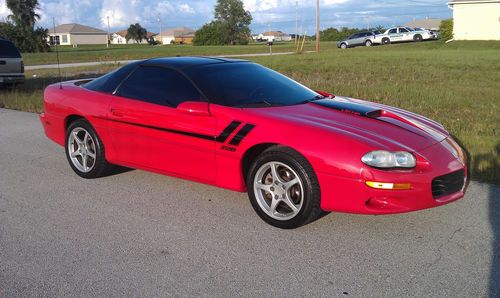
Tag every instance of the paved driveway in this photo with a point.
(142, 234)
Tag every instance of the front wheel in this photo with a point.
(417, 38)
(283, 188)
(386, 41)
(343, 46)
(85, 150)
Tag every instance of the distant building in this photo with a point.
(120, 38)
(429, 24)
(176, 35)
(476, 19)
(273, 36)
(76, 34)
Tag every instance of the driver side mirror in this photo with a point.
(198, 108)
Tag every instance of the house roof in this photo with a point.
(274, 33)
(76, 29)
(427, 24)
(177, 31)
(124, 32)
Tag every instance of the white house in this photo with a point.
(76, 34)
(273, 36)
(168, 36)
(120, 38)
(476, 19)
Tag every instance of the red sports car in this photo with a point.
(241, 126)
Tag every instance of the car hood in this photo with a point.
(380, 125)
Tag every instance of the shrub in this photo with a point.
(446, 29)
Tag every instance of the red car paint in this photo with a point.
(146, 136)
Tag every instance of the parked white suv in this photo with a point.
(402, 34)
(11, 64)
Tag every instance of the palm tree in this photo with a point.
(23, 13)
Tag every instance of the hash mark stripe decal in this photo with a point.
(241, 134)
(227, 131)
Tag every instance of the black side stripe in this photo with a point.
(227, 131)
(186, 133)
(241, 134)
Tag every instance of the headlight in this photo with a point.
(387, 159)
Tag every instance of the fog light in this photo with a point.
(384, 185)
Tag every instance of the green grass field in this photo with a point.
(86, 53)
(457, 84)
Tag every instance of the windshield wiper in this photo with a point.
(317, 97)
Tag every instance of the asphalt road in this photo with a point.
(80, 64)
(143, 234)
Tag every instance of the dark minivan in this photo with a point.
(11, 64)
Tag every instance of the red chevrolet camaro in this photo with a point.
(241, 126)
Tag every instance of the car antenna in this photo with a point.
(57, 53)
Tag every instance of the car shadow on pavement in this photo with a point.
(117, 170)
(494, 215)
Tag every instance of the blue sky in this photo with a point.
(274, 14)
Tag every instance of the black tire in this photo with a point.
(386, 40)
(417, 37)
(100, 166)
(368, 43)
(310, 207)
(343, 46)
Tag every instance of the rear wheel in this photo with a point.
(368, 43)
(343, 46)
(283, 188)
(85, 150)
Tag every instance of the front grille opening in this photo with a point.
(448, 184)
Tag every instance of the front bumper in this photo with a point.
(354, 196)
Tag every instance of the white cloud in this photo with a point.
(185, 8)
(121, 13)
(4, 11)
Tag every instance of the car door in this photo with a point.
(405, 34)
(150, 131)
(356, 40)
(394, 35)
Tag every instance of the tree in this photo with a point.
(20, 27)
(231, 25)
(210, 34)
(137, 33)
(235, 21)
(23, 12)
(446, 29)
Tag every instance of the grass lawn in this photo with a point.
(86, 53)
(457, 84)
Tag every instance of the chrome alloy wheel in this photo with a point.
(82, 149)
(279, 190)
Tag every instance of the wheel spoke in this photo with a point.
(287, 200)
(274, 204)
(262, 186)
(274, 172)
(75, 154)
(290, 183)
(84, 162)
(90, 154)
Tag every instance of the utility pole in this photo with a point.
(159, 34)
(107, 42)
(368, 28)
(317, 26)
(296, 20)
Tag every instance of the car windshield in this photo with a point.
(244, 84)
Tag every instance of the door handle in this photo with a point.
(117, 113)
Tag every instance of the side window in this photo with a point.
(402, 30)
(158, 85)
(393, 31)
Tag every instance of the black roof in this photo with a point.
(184, 62)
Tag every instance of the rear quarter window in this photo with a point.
(8, 50)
